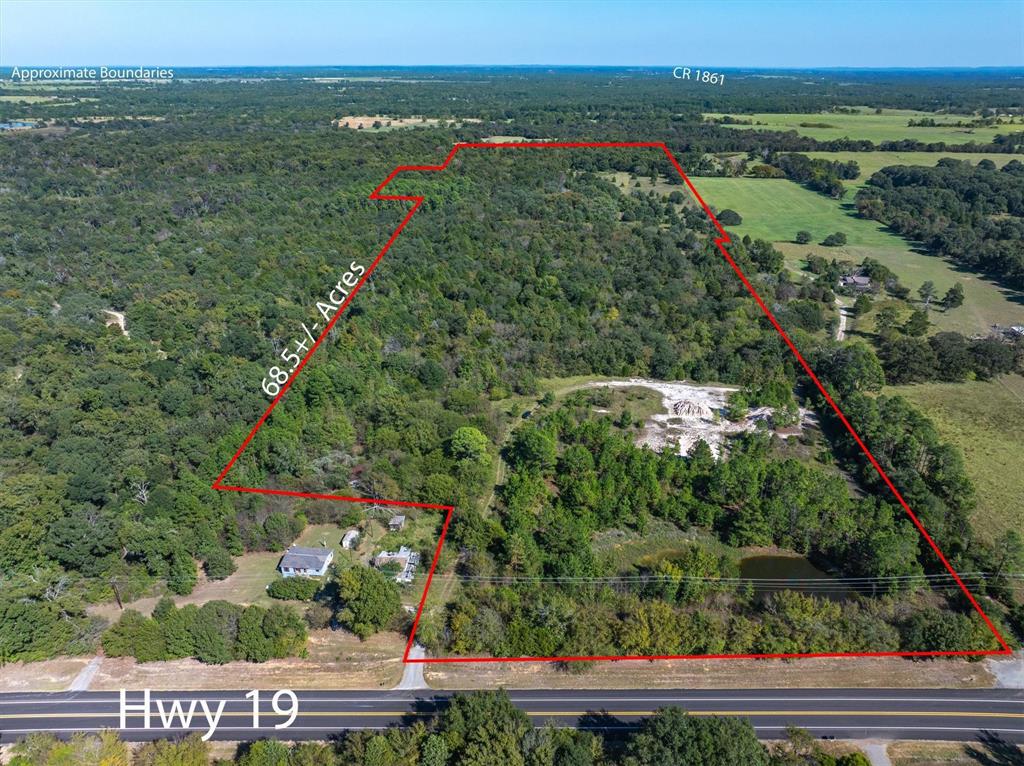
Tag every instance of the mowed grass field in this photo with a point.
(891, 125)
(776, 209)
(871, 162)
(986, 421)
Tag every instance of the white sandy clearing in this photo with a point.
(116, 318)
(694, 412)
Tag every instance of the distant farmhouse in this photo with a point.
(350, 540)
(305, 562)
(404, 560)
(1013, 332)
(855, 281)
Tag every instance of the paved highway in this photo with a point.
(842, 713)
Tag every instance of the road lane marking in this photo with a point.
(578, 713)
(182, 694)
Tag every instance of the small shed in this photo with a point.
(396, 523)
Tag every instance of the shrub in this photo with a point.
(370, 601)
(318, 616)
(218, 564)
(729, 218)
(862, 305)
(134, 636)
(293, 588)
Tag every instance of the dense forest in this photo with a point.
(219, 214)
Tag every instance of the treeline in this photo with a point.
(946, 356)
(474, 729)
(928, 472)
(820, 175)
(970, 214)
(216, 632)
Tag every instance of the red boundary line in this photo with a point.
(720, 241)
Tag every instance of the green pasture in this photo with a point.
(891, 125)
(986, 421)
(776, 209)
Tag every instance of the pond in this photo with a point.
(789, 573)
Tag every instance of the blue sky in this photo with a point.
(822, 33)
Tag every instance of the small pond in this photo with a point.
(789, 573)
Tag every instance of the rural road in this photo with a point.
(936, 714)
(845, 314)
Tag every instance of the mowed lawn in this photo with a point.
(891, 125)
(871, 162)
(986, 421)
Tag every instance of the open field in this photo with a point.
(878, 672)
(336, 659)
(27, 99)
(379, 122)
(891, 125)
(627, 183)
(872, 162)
(642, 403)
(986, 421)
(776, 209)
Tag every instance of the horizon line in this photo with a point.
(752, 68)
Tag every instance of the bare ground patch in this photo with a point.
(510, 139)
(46, 676)
(808, 673)
(691, 413)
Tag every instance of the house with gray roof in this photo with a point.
(855, 281)
(305, 562)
